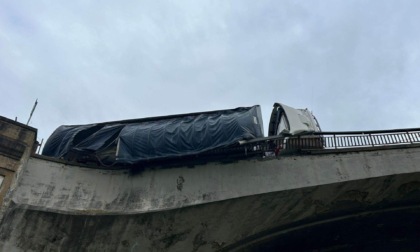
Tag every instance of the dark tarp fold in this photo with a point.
(100, 139)
(65, 138)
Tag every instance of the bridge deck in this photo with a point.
(277, 193)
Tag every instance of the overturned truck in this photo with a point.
(214, 134)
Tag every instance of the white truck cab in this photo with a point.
(286, 120)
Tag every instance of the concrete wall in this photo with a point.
(58, 187)
(203, 208)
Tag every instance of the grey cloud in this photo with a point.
(354, 63)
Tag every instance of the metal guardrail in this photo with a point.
(337, 141)
(333, 140)
(351, 139)
(279, 145)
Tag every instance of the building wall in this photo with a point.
(16, 145)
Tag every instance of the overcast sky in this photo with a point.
(355, 64)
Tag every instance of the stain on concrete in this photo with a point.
(217, 246)
(387, 183)
(409, 187)
(170, 240)
(320, 206)
(353, 195)
(180, 183)
(199, 239)
(207, 196)
(125, 243)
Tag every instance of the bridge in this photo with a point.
(328, 191)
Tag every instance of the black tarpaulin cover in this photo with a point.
(160, 137)
(65, 138)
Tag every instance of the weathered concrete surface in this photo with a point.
(65, 188)
(16, 145)
(58, 207)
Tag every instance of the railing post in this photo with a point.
(299, 145)
(371, 141)
(335, 142)
(409, 138)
